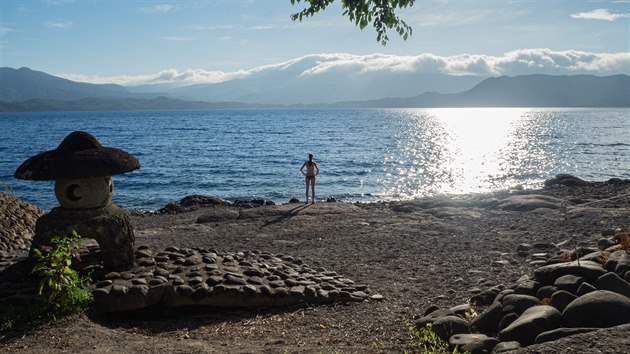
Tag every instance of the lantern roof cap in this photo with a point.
(80, 155)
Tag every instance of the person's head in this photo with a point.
(310, 159)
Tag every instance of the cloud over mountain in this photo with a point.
(599, 14)
(518, 62)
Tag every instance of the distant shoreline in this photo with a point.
(141, 105)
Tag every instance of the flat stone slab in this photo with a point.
(200, 277)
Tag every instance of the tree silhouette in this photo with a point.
(380, 13)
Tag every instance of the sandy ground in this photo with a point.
(414, 254)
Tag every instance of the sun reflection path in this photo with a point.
(457, 151)
(477, 140)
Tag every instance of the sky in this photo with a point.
(135, 42)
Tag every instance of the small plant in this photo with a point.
(426, 339)
(377, 345)
(62, 291)
(61, 287)
(470, 315)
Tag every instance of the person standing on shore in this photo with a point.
(311, 171)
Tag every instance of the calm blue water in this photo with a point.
(364, 155)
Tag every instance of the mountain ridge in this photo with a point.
(28, 90)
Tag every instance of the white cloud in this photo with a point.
(177, 39)
(4, 30)
(209, 27)
(262, 27)
(599, 14)
(161, 8)
(568, 62)
(58, 2)
(518, 62)
(59, 24)
(171, 76)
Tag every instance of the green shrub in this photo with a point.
(60, 286)
(62, 291)
(426, 339)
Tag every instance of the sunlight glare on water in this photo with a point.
(458, 150)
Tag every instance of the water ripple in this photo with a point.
(364, 155)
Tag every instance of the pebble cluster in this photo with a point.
(17, 223)
(571, 291)
(185, 277)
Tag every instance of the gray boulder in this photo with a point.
(430, 309)
(473, 343)
(546, 292)
(604, 243)
(534, 321)
(599, 308)
(561, 299)
(488, 320)
(613, 282)
(503, 294)
(433, 316)
(567, 180)
(583, 251)
(547, 275)
(528, 287)
(562, 332)
(598, 256)
(618, 262)
(461, 310)
(447, 326)
(506, 321)
(569, 282)
(518, 303)
(504, 347)
(584, 289)
(484, 298)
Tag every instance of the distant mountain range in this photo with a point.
(521, 91)
(28, 90)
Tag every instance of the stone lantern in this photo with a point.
(82, 170)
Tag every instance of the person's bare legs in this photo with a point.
(307, 182)
(312, 191)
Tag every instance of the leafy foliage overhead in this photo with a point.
(380, 13)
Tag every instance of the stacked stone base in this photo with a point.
(194, 277)
(198, 277)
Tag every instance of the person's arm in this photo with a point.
(317, 168)
(302, 168)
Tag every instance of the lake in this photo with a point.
(364, 155)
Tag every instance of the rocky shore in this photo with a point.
(544, 270)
